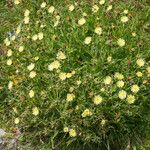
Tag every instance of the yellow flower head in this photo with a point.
(32, 74)
(9, 53)
(95, 8)
(16, 2)
(148, 69)
(98, 30)
(135, 88)
(122, 94)
(62, 75)
(71, 7)
(40, 36)
(31, 93)
(70, 97)
(101, 2)
(43, 5)
(10, 85)
(86, 113)
(16, 120)
(31, 67)
(125, 11)
(26, 13)
(35, 111)
(54, 65)
(88, 40)
(21, 48)
(140, 62)
(119, 76)
(124, 19)
(139, 74)
(97, 99)
(130, 99)
(9, 62)
(35, 37)
(82, 21)
(108, 80)
(72, 133)
(120, 84)
(121, 42)
(61, 55)
(26, 20)
(66, 129)
(51, 9)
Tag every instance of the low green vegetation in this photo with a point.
(75, 74)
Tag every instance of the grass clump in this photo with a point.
(75, 75)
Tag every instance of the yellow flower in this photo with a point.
(51, 9)
(66, 129)
(9, 62)
(124, 19)
(7, 42)
(88, 40)
(35, 111)
(9, 53)
(95, 8)
(73, 72)
(78, 82)
(71, 89)
(26, 13)
(16, 120)
(31, 93)
(108, 80)
(134, 34)
(82, 21)
(101, 2)
(102, 89)
(130, 99)
(31, 67)
(18, 30)
(71, 7)
(86, 113)
(32, 74)
(140, 62)
(84, 14)
(121, 42)
(61, 55)
(125, 11)
(98, 30)
(40, 36)
(139, 74)
(62, 75)
(43, 5)
(72, 133)
(120, 84)
(97, 99)
(122, 94)
(109, 58)
(69, 75)
(35, 37)
(70, 97)
(119, 76)
(54, 65)
(16, 2)
(148, 69)
(15, 109)
(26, 20)
(103, 122)
(109, 8)
(13, 38)
(21, 48)
(135, 88)
(10, 85)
